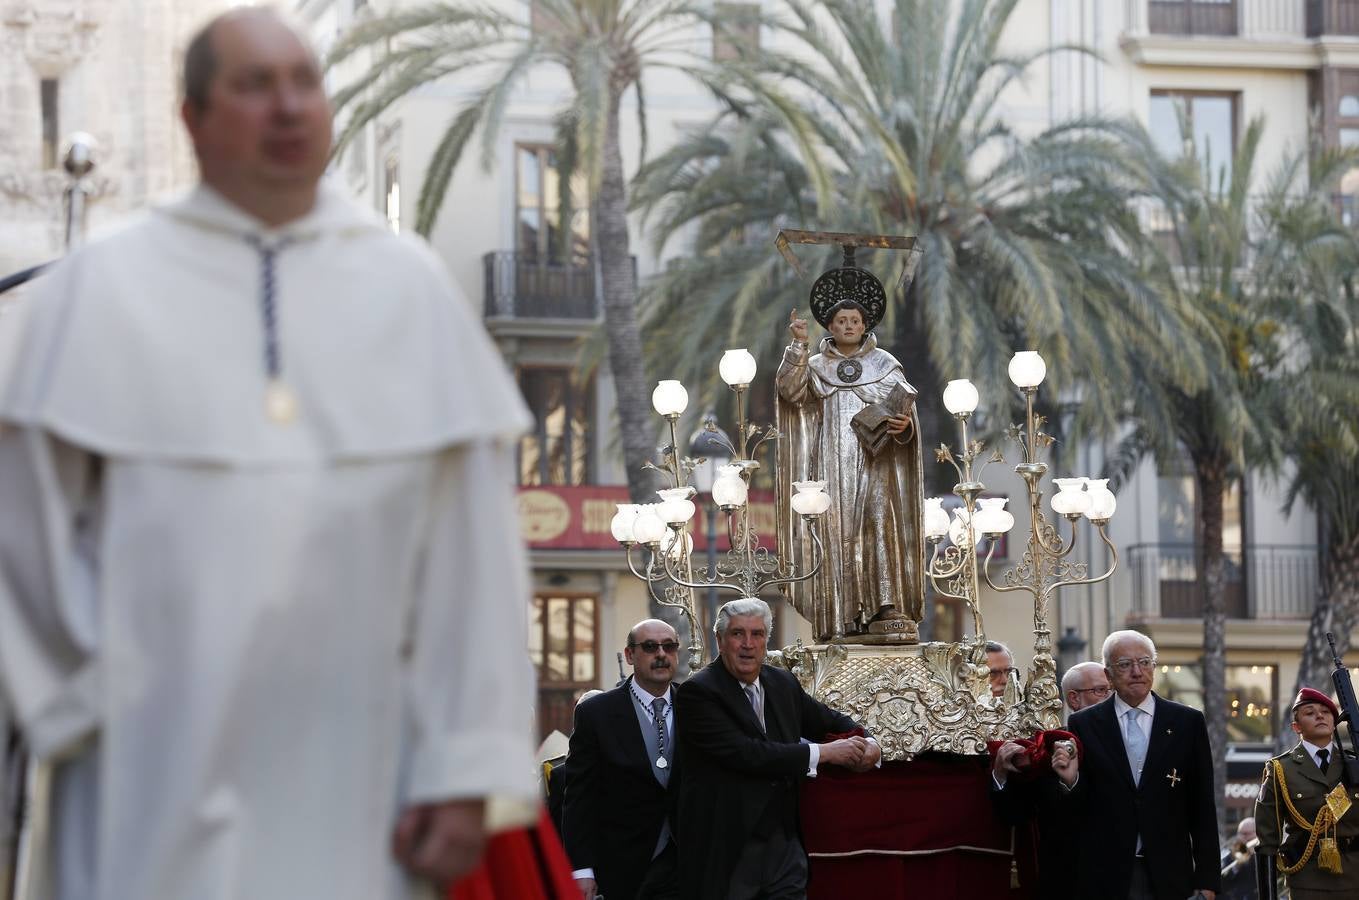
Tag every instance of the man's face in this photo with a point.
(1314, 723)
(999, 663)
(652, 655)
(1093, 689)
(1132, 672)
(847, 326)
(743, 646)
(267, 122)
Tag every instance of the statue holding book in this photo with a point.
(846, 416)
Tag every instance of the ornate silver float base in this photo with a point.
(923, 698)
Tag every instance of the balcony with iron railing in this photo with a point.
(527, 286)
(1262, 582)
(1253, 20)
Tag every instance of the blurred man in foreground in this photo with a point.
(259, 558)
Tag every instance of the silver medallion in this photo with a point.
(661, 763)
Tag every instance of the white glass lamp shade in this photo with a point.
(622, 523)
(810, 498)
(676, 508)
(1071, 498)
(1027, 369)
(1102, 500)
(992, 517)
(670, 398)
(960, 397)
(936, 520)
(648, 528)
(957, 529)
(737, 367)
(730, 489)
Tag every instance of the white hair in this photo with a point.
(1074, 674)
(1118, 637)
(746, 606)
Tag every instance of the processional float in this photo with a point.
(914, 697)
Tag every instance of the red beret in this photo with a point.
(1312, 695)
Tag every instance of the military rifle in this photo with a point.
(1349, 713)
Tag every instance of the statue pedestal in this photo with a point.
(919, 698)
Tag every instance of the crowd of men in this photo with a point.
(724, 752)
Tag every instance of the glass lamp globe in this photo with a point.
(730, 489)
(622, 523)
(810, 498)
(936, 520)
(960, 397)
(1102, 501)
(737, 367)
(992, 517)
(669, 398)
(1027, 369)
(648, 527)
(1070, 499)
(957, 529)
(676, 508)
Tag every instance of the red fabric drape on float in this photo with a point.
(924, 828)
(525, 864)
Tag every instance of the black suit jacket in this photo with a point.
(614, 806)
(734, 772)
(1172, 808)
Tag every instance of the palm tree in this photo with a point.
(862, 122)
(603, 47)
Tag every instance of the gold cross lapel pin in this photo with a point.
(1173, 778)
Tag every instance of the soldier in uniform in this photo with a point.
(1315, 838)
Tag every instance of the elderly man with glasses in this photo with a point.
(616, 817)
(1141, 798)
(1085, 684)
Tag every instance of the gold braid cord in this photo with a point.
(1323, 828)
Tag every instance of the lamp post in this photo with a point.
(663, 528)
(1045, 566)
(710, 448)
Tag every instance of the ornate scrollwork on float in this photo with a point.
(928, 698)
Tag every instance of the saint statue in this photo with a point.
(846, 416)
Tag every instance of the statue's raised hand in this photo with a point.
(797, 327)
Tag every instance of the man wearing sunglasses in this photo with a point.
(615, 822)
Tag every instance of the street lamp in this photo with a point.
(709, 448)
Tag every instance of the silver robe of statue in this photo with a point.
(874, 544)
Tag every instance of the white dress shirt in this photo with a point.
(1312, 752)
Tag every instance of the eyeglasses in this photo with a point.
(1097, 691)
(653, 646)
(1006, 671)
(1125, 666)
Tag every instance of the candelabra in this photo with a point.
(663, 528)
(1044, 567)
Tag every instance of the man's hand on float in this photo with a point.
(1007, 758)
(588, 888)
(441, 841)
(872, 756)
(848, 752)
(1065, 765)
(797, 327)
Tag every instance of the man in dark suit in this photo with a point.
(748, 735)
(1142, 800)
(1024, 803)
(615, 820)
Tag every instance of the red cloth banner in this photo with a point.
(924, 828)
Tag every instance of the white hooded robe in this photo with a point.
(249, 645)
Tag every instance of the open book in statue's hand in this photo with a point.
(871, 422)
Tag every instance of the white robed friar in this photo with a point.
(246, 645)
